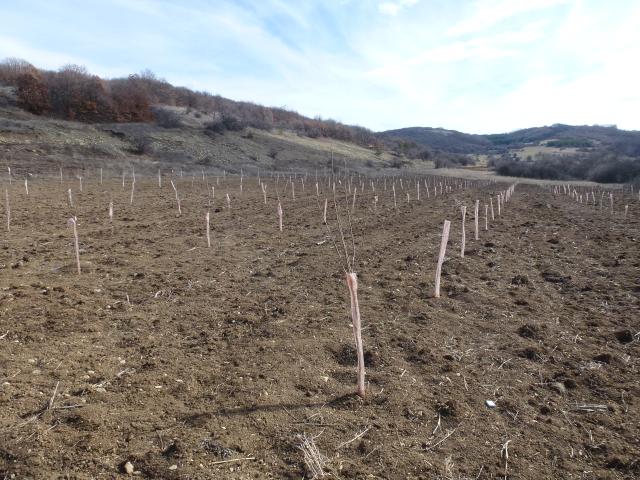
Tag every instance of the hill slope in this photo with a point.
(36, 144)
(450, 141)
(608, 138)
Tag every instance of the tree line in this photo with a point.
(73, 93)
(599, 166)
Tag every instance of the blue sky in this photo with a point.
(480, 66)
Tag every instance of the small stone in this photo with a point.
(325, 378)
(101, 390)
(490, 403)
(36, 371)
(128, 468)
(173, 467)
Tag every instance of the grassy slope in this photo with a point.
(32, 144)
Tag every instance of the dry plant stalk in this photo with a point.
(464, 236)
(70, 198)
(177, 197)
(73, 221)
(159, 179)
(26, 186)
(313, 459)
(353, 203)
(443, 251)
(228, 201)
(279, 215)
(111, 212)
(491, 202)
(208, 231)
(100, 175)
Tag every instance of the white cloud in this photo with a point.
(487, 13)
(393, 8)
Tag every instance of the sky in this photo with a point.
(478, 66)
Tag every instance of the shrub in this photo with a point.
(166, 118)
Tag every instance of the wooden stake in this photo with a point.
(208, 231)
(352, 283)
(177, 197)
(464, 239)
(486, 217)
(475, 218)
(8, 209)
(73, 222)
(443, 250)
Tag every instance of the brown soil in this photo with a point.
(174, 357)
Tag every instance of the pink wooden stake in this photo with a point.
(475, 218)
(208, 231)
(133, 187)
(8, 209)
(73, 222)
(395, 204)
(486, 216)
(443, 250)
(464, 239)
(352, 283)
(324, 215)
(175, 190)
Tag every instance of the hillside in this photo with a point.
(558, 135)
(450, 141)
(35, 144)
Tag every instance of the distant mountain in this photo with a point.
(450, 141)
(598, 137)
